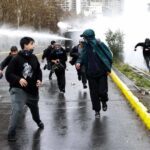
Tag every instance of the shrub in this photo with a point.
(115, 42)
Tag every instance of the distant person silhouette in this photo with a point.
(47, 54)
(6, 61)
(146, 51)
(58, 59)
(75, 53)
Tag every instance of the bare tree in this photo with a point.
(36, 13)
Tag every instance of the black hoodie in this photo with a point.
(26, 67)
(6, 61)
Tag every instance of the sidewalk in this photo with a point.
(70, 123)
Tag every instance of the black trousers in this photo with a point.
(98, 91)
(50, 74)
(61, 79)
(49, 67)
(81, 74)
(147, 61)
(34, 109)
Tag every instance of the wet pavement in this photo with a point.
(70, 123)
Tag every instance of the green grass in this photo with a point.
(138, 80)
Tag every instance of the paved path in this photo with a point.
(70, 123)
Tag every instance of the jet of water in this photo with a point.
(13, 36)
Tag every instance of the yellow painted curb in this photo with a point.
(139, 108)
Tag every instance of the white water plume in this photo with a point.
(133, 22)
(11, 36)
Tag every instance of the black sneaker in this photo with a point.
(85, 86)
(97, 114)
(62, 91)
(79, 78)
(41, 125)
(11, 138)
(45, 67)
(104, 106)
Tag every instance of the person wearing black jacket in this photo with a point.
(6, 61)
(25, 77)
(46, 54)
(74, 53)
(58, 59)
(146, 51)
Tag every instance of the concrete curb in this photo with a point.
(139, 108)
(4, 53)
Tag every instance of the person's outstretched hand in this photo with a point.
(77, 66)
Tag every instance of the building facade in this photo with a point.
(92, 7)
(66, 5)
(112, 7)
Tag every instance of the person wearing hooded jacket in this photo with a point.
(146, 51)
(6, 61)
(25, 77)
(97, 59)
(58, 59)
(46, 54)
(74, 53)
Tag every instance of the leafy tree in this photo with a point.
(115, 42)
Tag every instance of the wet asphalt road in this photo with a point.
(70, 123)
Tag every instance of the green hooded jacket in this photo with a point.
(99, 47)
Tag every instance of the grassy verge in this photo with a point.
(138, 80)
